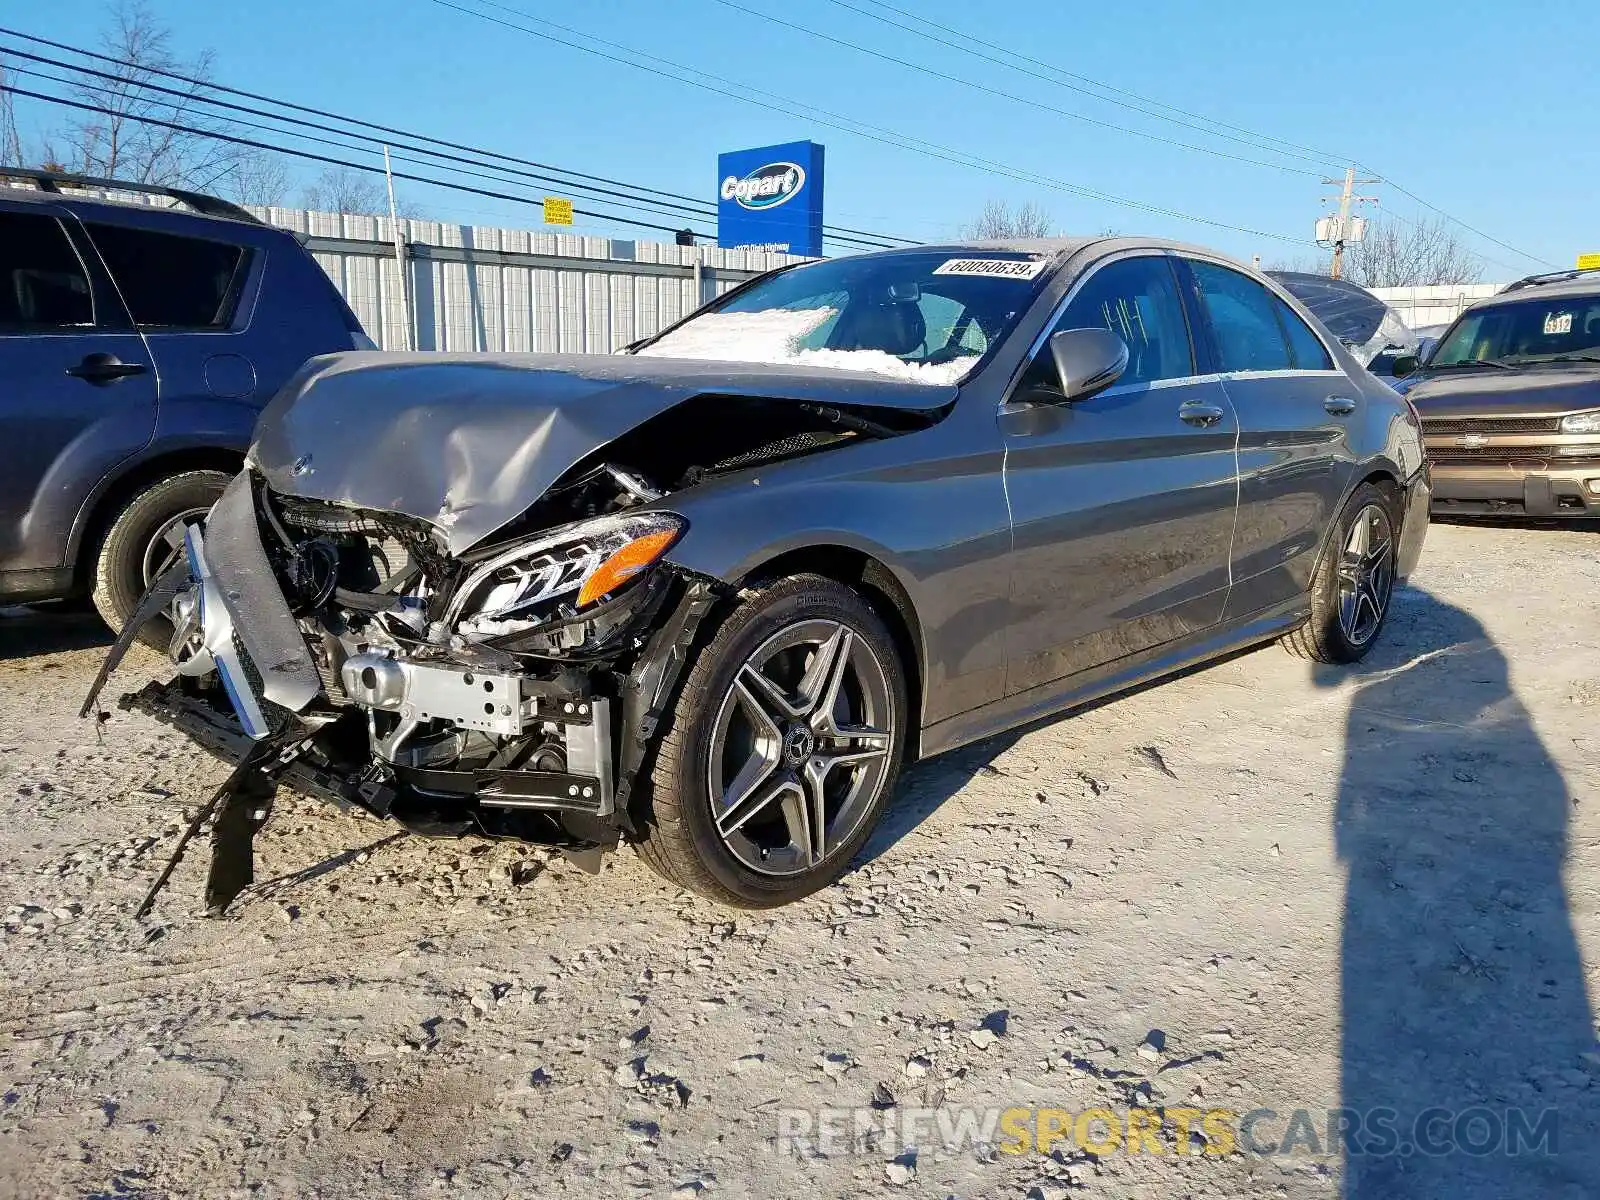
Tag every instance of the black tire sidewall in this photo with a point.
(118, 582)
(799, 598)
(1325, 603)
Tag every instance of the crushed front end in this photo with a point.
(509, 691)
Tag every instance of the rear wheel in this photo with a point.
(146, 538)
(782, 749)
(1354, 583)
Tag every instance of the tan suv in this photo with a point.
(1510, 402)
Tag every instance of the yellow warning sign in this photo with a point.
(1588, 262)
(557, 211)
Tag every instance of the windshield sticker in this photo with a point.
(1558, 323)
(999, 268)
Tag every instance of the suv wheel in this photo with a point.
(782, 749)
(143, 540)
(1354, 583)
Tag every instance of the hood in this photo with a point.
(469, 442)
(1525, 391)
(1351, 313)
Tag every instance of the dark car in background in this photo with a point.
(712, 595)
(1374, 332)
(137, 346)
(1510, 402)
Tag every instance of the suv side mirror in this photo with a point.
(1087, 360)
(1405, 364)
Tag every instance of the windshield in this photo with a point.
(924, 317)
(1536, 329)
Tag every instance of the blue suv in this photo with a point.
(137, 345)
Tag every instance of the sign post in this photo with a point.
(771, 198)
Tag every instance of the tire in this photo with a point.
(130, 549)
(712, 733)
(1332, 634)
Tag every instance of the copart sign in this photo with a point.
(771, 197)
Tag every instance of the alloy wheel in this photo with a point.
(801, 747)
(1366, 575)
(164, 546)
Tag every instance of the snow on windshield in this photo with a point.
(775, 336)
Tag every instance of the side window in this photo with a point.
(43, 286)
(1308, 351)
(1137, 299)
(172, 282)
(1249, 337)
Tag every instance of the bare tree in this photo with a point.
(257, 178)
(998, 220)
(342, 190)
(1306, 264)
(1395, 255)
(115, 142)
(10, 135)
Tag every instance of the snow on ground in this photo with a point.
(773, 336)
(1259, 886)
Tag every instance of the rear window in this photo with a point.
(170, 281)
(43, 287)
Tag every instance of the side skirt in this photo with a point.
(1111, 679)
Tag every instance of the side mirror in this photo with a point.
(1087, 360)
(1405, 364)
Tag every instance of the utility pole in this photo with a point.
(1344, 228)
(399, 249)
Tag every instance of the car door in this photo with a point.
(1122, 503)
(79, 391)
(1295, 409)
(192, 298)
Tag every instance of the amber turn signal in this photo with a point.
(625, 564)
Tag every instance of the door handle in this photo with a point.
(1200, 413)
(1339, 406)
(104, 368)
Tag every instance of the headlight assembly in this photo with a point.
(1588, 422)
(560, 573)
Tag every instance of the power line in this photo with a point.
(730, 89)
(1458, 221)
(619, 199)
(967, 41)
(562, 177)
(1011, 96)
(323, 158)
(1059, 76)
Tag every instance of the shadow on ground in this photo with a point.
(1467, 1040)
(28, 631)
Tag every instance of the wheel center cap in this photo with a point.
(798, 745)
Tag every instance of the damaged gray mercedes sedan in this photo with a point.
(709, 596)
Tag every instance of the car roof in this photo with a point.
(1062, 248)
(87, 205)
(1582, 285)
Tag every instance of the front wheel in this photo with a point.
(1353, 584)
(782, 748)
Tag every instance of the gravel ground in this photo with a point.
(1260, 886)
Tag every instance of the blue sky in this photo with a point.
(1469, 107)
